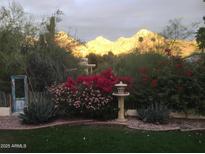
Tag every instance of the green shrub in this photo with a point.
(107, 113)
(154, 113)
(199, 75)
(49, 65)
(129, 64)
(174, 83)
(102, 62)
(40, 109)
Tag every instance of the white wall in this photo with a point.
(5, 111)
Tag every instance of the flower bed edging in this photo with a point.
(156, 130)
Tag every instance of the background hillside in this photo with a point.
(143, 41)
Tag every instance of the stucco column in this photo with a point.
(121, 112)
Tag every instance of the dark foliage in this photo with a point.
(40, 109)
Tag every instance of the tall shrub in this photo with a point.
(173, 84)
(88, 96)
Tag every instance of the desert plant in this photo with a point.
(154, 113)
(40, 109)
(47, 63)
(4, 99)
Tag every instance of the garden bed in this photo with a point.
(174, 124)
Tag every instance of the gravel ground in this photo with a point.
(174, 124)
(13, 122)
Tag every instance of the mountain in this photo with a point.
(144, 40)
(99, 45)
(69, 43)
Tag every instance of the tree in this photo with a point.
(175, 30)
(22, 51)
(51, 28)
(204, 16)
(15, 26)
(48, 63)
(200, 38)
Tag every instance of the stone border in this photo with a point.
(189, 116)
(192, 130)
(156, 130)
(69, 123)
(94, 122)
(32, 127)
(133, 113)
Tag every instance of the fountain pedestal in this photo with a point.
(121, 94)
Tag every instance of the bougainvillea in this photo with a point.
(154, 83)
(104, 81)
(70, 84)
(89, 95)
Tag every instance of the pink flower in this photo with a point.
(189, 73)
(143, 70)
(70, 83)
(154, 83)
(179, 66)
(145, 79)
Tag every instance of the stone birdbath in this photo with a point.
(121, 94)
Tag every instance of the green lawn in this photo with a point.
(102, 139)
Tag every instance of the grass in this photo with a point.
(102, 139)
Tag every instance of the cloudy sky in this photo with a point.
(114, 18)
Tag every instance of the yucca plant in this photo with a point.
(154, 113)
(4, 101)
(40, 109)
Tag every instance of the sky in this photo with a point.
(87, 19)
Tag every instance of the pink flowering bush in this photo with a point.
(63, 97)
(88, 96)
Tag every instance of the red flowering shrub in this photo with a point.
(127, 80)
(175, 85)
(143, 70)
(70, 83)
(188, 73)
(154, 83)
(105, 81)
(90, 96)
